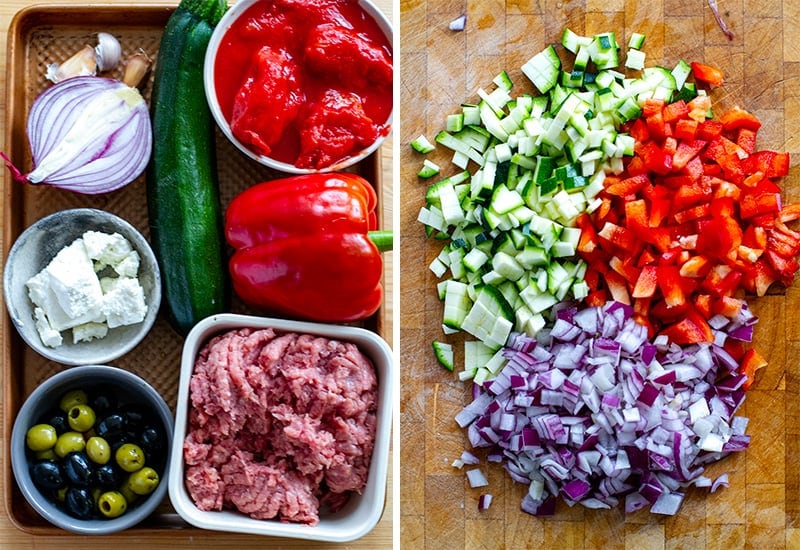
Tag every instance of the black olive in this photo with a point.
(103, 401)
(78, 469)
(107, 476)
(135, 417)
(57, 419)
(79, 502)
(152, 440)
(47, 475)
(110, 428)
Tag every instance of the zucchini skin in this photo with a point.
(183, 202)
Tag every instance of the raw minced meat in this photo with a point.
(280, 425)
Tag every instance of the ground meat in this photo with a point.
(280, 424)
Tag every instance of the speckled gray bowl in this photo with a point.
(34, 249)
(131, 389)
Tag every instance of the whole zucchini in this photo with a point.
(182, 188)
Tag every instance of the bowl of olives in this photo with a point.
(90, 448)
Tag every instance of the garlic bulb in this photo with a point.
(108, 51)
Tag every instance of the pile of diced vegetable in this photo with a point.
(600, 237)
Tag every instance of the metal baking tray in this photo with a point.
(40, 35)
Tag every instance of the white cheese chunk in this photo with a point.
(73, 281)
(41, 294)
(123, 302)
(50, 336)
(106, 249)
(89, 331)
(128, 266)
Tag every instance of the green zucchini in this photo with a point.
(182, 189)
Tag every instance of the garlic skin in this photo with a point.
(108, 52)
(82, 63)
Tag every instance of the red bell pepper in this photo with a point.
(304, 247)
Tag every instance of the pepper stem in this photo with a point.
(384, 240)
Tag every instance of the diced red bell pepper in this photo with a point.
(709, 129)
(764, 203)
(656, 159)
(687, 151)
(676, 110)
(647, 282)
(737, 117)
(750, 364)
(692, 329)
(746, 139)
(638, 131)
(618, 236)
(718, 237)
(669, 282)
(770, 163)
(707, 73)
(759, 277)
(626, 186)
(686, 129)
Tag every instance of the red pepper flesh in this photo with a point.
(303, 249)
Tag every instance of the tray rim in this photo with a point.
(22, 22)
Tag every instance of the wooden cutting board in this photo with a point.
(441, 69)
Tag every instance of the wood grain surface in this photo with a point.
(381, 537)
(441, 69)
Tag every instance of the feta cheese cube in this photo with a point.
(41, 294)
(50, 337)
(106, 249)
(89, 331)
(123, 302)
(73, 281)
(128, 266)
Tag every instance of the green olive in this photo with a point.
(98, 450)
(69, 442)
(112, 504)
(127, 492)
(49, 454)
(144, 481)
(129, 457)
(41, 437)
(81, 418)
(72, 398)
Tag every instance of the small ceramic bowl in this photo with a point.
(362, 512)
(31, 253)
(129, 389)
(236, 11)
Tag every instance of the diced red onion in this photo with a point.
(469, 458)
(595, 418)
(484, 501)
(458, 23)
(721, 481)
(476, 478)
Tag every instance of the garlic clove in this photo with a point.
(83, 62)
(108, 51)
(137, 67)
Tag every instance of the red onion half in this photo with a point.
(87, 134)
(593, 412)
